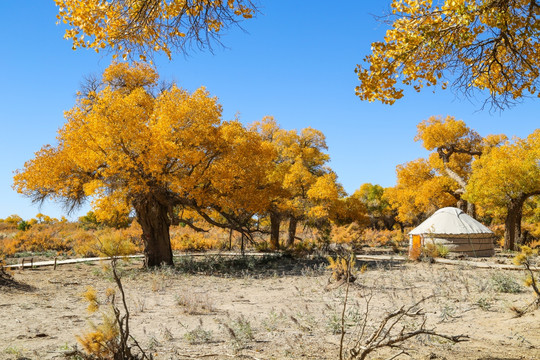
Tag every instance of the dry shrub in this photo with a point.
(41, 237)
(7, 226)
(535, 244)
(301, 248)
(348, 234)
(84, 243)
(391, 331)
(529, 258)
(415, 253)
(101, 340)
(111, 339)
(343, 267)
(498, 230)
(109, 241)
(375, 238)
(430, 250)
(195, 303)
(183, 239)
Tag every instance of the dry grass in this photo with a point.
(285, 310)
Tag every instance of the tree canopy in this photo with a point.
(142, 27)
(374, 199)
(466, 170)
(128, 145)
(484, 45)
(419, 191)
(306, 189)
(504, 178)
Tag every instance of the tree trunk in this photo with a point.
(275, 222)
(453, 175)
(467, 207)
(512, 224)
(154, 220)
(471, 210)
(462, 205)
(389, 221)
(293, 222)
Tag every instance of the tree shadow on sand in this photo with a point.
(7, 282)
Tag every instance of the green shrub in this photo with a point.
(504, 283)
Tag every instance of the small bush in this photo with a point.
(443, 250)
(240, 331)
(504, 283)
(195, 242)
(430, 250)
(529, 257)
(41, 238)
(415, 253)
(484, 303)
(198, 336)
(375, 238)
(195, 304)
(435, 251)
(348, 234)
(109, 340)
(108, 242)
(343, 268)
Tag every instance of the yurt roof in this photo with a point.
(451, 221)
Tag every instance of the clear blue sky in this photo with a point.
(295, 61)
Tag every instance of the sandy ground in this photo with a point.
(280, 310)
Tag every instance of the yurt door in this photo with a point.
(416, 247)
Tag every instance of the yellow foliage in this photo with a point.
(57, 237)
(109, 242)
(101, 341)
(517, 170)
(302, 185)
(146, 26)
(90, 295)
(195, 242)
(374, 238)
(129, 147)
(525, 255)
(115, 243)
(13, 220)
(347, 234)
(419, 190)
(437, 132)
(343, 268)
(485, 45)
(528, 257)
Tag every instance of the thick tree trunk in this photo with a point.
(512, 224)
(389, 221)
(293, 222)
(154, 220)
(275, 222)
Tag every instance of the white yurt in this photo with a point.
(455, 230)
